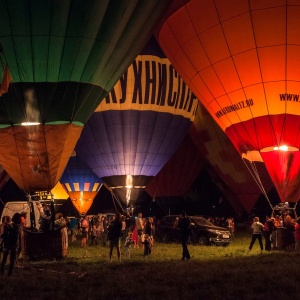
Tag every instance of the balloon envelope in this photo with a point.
(81, 184)
(139, 125)
(62, 57)
(241, 60)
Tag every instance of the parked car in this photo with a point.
(203, 232)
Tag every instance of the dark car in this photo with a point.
(203, 232)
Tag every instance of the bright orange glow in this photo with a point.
(241, 60)
(82, 200)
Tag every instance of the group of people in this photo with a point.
(133, 232)
(290, 232)
(11, 230)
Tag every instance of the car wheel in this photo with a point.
(166, 238)
(202, 240)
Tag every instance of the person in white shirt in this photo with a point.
(257, 228)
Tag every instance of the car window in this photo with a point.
(201, 221)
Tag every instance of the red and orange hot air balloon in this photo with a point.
(241, 59)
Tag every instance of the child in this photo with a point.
(147, 245)
(128, 243)
(94, 236)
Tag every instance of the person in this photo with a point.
(84, 231)
(230, 226)
(297, 235)
(147, 245)
(184, 225)
(140, 228)
(135, 237)
(128, 243)
(45, 217)
(149, 229)
(267, 232)
(289, 224)
(24, 220)
(114, 235)
(11, 242)
(94, 236)
(123, 233)
(4, 221)
(61, 223)
(257, 228)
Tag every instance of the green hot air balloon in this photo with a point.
(58, 60)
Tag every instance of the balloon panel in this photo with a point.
(228, 69)
(59, 192)
(232, 175)
(82, 200)
(178, 174)
(267, 131)
(283, 166)
(79, 41)
(4, 177)
(139, 125)
(130, 142)
(78, 177)
(35, 156)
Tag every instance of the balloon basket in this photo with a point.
(45, 245)
(280, 238)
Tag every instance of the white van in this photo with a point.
(13, 207)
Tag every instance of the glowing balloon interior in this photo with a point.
(81, 184)
(241, 59)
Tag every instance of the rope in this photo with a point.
(115, 198)
(254, 172)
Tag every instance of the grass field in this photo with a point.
(231, 272)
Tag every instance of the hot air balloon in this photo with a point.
(230, 172)
(241, 58)
(139, 125)
(179, 173)
(58, 61)
(81, 184)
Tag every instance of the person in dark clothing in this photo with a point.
(11, 238)
(149, 229)
(267, 232)
(184, 225)
(147, 245)
(114, 235)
